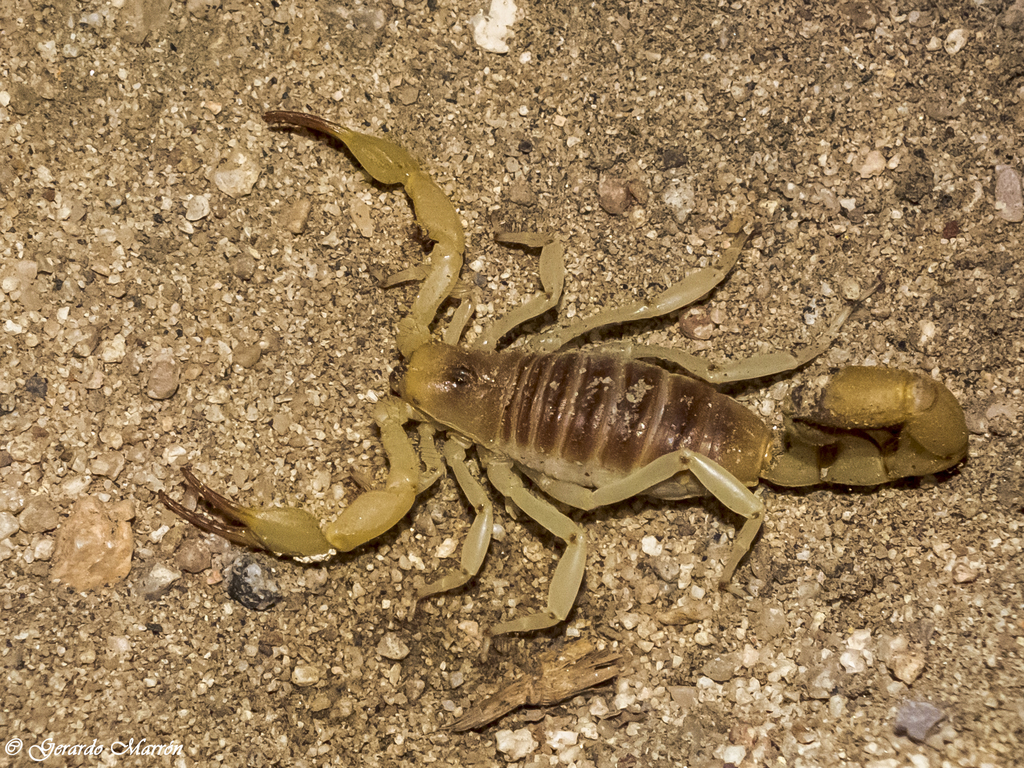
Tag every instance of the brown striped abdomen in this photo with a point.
(613, 413)
(583, 417)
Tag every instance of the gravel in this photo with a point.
(178, 283)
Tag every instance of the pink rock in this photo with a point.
(1009, 201)
(94, 545)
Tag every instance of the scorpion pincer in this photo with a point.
(588, 427)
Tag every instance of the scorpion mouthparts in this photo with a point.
(397, 375)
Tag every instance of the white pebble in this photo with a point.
(1009, 200)
(198, 208)
(873, 164)
(447, 548)
(734, 754)
(237, 175)
(516, 744)
(651, 546)
(955, 41)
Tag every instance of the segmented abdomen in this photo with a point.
(612, 415)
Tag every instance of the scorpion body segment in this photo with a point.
(588, 428)
(584, 418)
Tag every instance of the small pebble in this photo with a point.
(250, 586)
(916, 718)
(906, 667)
(193, 556)
(722, 668)
(521, 193)
(516, 744)
(157, 580)
(1009, 199)
(680, 198)
(613, 195)
(305, 675)
(94, 545)
(559, 740)
(8, 525)
(734, 754)
(697, 327)
(114, 350)
(246, 355)
(295, 216)
(651, 546)
(237, 175)
(38, 516)
(873, 164)
(198, 208)
(666, 567)
(320, 702)
(820, 683)
(687, 612)
(163, 378)
(392, 647)
(84, 340)
(107, 464)
(955, 41)
(408, 94)
(1013, 17)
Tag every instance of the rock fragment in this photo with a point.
(108, 464)
(305, 675)
(38, 516)
(295, 216)
(237, 175)
(163, 378)
(251, 586)
(916, 718)
(198, 208)
(8, 525)
(1009, 200)
(873, 164)
(193, 556)
(516, 745)
(157, 580)
(94, 545)
(392, 647)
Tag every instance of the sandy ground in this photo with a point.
(861, 142)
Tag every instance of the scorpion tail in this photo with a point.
(868, 426)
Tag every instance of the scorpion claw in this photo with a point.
(281, 530)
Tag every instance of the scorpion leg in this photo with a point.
(565, 584)
(681, 294)
(552, 278)
(389, 163)
(477, 542)
(296, 533)
(755, 367)
(431, 458)
(718, 481)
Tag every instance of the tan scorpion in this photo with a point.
(587, 427)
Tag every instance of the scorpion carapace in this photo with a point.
(588, 427)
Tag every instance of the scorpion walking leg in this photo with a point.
(681, 294)
(552, 279)
(719, 482)
(565, 584)
(474, 548)
(755, 367)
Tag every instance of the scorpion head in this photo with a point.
(456, 387)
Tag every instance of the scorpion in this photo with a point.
(586, 427)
